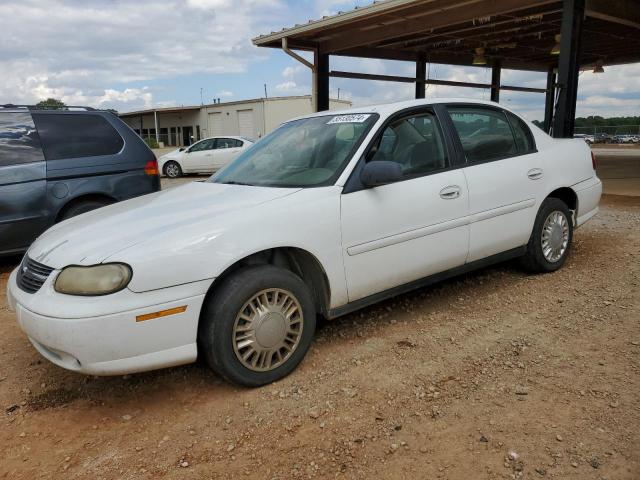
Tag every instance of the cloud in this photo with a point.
(86, 51)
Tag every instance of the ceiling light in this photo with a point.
(598, 67)
(479, 58)
(556, 48)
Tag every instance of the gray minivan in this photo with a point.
(55, 164)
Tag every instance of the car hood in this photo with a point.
(172, 154)
(94, 236)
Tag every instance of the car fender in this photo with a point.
(308, 220)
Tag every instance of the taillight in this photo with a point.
(593, 160)
(151, 167)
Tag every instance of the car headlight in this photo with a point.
(94, 280)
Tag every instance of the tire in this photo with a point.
(535, 259)
(172, 169)
(81, 207)
(223, 332)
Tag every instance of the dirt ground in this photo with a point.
(492, 375)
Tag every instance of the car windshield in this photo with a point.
(310, 152)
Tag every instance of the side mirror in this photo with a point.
(181, 149)
(380, 172)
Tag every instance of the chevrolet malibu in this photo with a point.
(327, 214)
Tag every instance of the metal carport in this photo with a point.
(513, 34)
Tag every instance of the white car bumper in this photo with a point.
(110, 343)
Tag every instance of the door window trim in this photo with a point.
(353, 183)
(481, 106)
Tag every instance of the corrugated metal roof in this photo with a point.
(379, 6)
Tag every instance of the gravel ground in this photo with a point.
(492, 375)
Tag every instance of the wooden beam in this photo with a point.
(441, 57)
(439, 14)
(616, 11)
(450, 83)
(473, 30)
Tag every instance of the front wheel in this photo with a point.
(257, 326)
(550, 240)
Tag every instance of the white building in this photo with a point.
(179, 126)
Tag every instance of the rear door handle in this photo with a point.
(450, 192)
(534, 173)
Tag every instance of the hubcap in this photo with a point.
(172, 170)
(267, 329)
(555, 236)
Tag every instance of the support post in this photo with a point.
(421, 76)
(155, 121)
(496, 69)
(568, 67)
(321, 61)
(549, 99)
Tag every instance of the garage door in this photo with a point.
(215, 124)
(245, 123)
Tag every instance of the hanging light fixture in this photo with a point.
(556, 48)
(598, 68)
(479, 58)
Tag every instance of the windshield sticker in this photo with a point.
(353, 118)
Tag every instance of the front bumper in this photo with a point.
(66, 332)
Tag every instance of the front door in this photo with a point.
(198, 157)
(400, 232)
(23, 185)
(505, 177)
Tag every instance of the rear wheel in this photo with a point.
(172, 169)
(257, 326)
(81, 207)
(550, 241)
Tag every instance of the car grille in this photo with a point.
(32, 275)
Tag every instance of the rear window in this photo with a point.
(19, 142)
(76, 135)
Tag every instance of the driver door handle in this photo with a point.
(534, 173)
(450, 192)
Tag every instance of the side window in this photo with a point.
(415, 143)
(225, 143)
(19, 140)
(524, 138)
(76, 135)
(202, 145)
(485, 133)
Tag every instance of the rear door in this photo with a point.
(504, 174)
(226, 150)
(23, 202)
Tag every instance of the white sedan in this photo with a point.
(204, 156)
(327, 214)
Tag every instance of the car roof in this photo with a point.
(236, 137)
(386, 109)
(9, 107)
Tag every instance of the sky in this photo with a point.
(130, 55)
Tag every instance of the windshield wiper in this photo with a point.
(232, 182)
